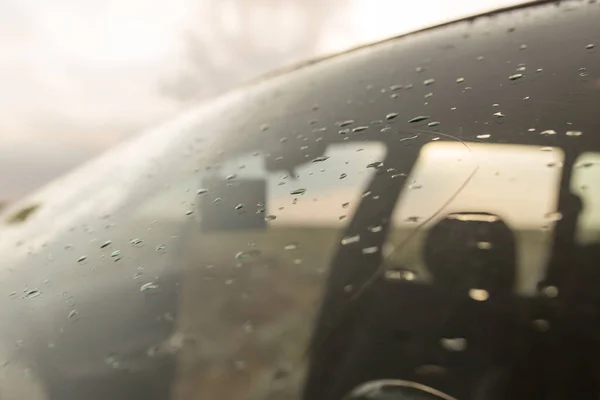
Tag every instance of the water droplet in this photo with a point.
(541, 325)
(239, 207)
(72, 314)
(161, 247)
(291, 246)
(484, 245)
(454, 344)
(428, 95)
(515, 77)
(270, 217)
(343, 175)
(548, 132)
(590, 46)
(344, 131)
(460, 80)
(434, 123)
(81, 259)
(370, 250)
(298, 192)
(346, 123)
(30, 294)
(375, 229)
(553, 216)
(400, 275)
(366, 194)
(574, 133)
(230, 177)
(554, 164)
(428, 82)
(360, 129)
(350, 239)
(264, 127)
(522, 47)
(106, 244)
(319, 159)
(486, 136)
(148, 287)
(116, 253)
(550, 291)
(201, 191)
(247, 254)
(419, 69)
(412, 219)
(480, 58)
(345, 205)
(396, 87)
(479, 294)
(137, 242)
(391, 116)
(418, 119)
(414, 185)
(499, 114)
(217, 199)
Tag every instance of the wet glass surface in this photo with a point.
(330, 229)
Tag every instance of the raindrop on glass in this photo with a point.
(574, 133)
(105, 244)
(82, 259)
(321, 158)
(479, 294)
(548, 132)
(486, 136)
(460, 80)
(484, 245)
(428, 82)
(146, 287)
(391, 116)
(418, 119)
(434, 123)
(515, 77)
(400, 275)
(550, 291)
(370, 250)
(499, 114)
(298, 192)
(350, 239)
(454, 344)
(30, 294)
(290, 246)
(201, 191)
(541, 325)
(553, 216)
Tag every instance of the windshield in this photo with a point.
(424, 210)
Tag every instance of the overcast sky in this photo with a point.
(78, 76)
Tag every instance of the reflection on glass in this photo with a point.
(586, 184)
(514, 183)
(252, 283)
